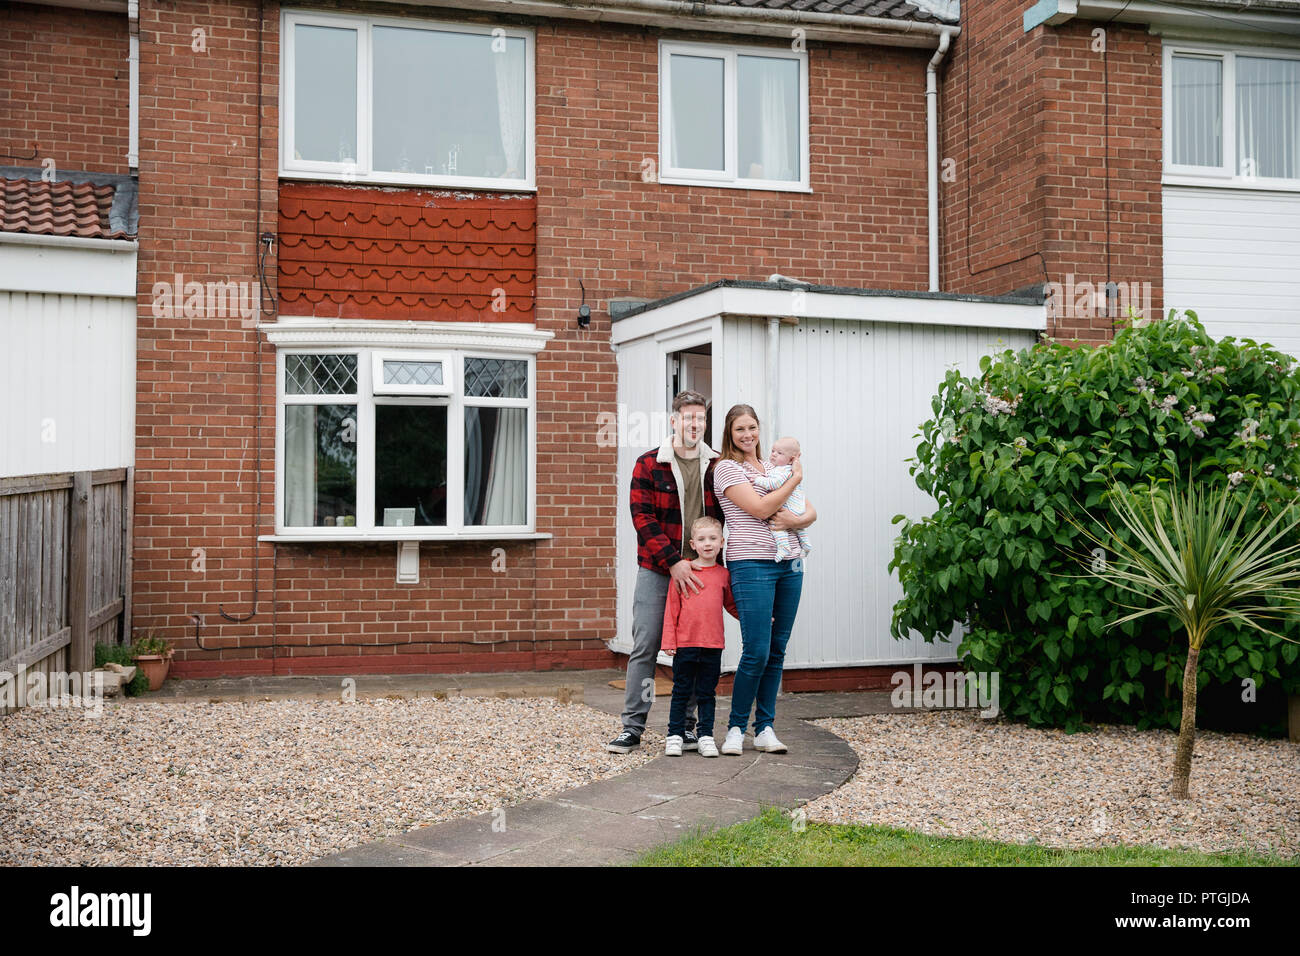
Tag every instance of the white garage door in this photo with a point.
(1233, 257)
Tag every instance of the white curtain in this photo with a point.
(774, 142)
(510, 70)
(1268, 116)
(299, 466)
(508, 475)
(1198, 113)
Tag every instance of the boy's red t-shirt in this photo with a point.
(696, 619)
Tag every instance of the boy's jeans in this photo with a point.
(647, 633)
(767, 597)
(695, 675)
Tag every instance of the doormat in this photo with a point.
(663, 686)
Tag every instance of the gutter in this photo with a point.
(715, 18)
(69, 242)
(1055, 12)
(932, 154)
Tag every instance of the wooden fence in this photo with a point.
(65, 570)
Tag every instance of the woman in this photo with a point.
(766, 591)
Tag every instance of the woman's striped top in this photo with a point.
(748, 538)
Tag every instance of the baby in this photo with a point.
(789, 544)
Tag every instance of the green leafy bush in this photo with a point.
(1035, 438)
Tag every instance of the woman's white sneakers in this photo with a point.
(767, 742)
(734, 744)
(707, 747)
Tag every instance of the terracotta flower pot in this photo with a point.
(154, 667)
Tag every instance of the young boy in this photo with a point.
(693, 639)
(789, 544)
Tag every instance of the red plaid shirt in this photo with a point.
(657, 511)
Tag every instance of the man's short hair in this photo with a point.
(689, 397)
(705, 522)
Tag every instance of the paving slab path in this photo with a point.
(614, 821)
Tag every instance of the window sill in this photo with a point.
(379, 538)
(763, 187)
(1267, 185)
(406, 179)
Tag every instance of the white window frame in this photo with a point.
(729, 177)
(366, 399)
(363, 171)
(1225, 175)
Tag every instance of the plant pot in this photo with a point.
(154, 667)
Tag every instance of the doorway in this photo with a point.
(693, 369)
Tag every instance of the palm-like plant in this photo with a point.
(1191, 559)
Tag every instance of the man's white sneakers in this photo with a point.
(734, 744)
(673, 746)
(767, 742)
(707, 747)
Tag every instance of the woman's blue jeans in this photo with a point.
(767, 597)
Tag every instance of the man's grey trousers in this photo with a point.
(647, 632)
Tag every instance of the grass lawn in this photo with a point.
(770, 840)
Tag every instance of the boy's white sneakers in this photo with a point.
(767, 742)
(707, 747)
(734, 744)
(673, 746)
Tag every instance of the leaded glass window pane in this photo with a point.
(496, 378)
(320, 374)
(412, 373)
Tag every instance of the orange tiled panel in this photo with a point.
(362, 253)
(57, 208)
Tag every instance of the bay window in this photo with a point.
(1232, 117)
(404, 443)
(733, 116)
(412, 102)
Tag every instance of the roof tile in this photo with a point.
(360, 252)
(59, 208)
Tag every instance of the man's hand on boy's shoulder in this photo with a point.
(684, 578)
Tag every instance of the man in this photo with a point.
(669, 492)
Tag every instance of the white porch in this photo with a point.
(848, 372)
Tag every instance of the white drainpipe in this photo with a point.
(932, 152)
(133, 124)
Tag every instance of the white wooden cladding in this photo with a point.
(1233, 257)
(67, 381)
(854, 394)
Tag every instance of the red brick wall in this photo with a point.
(1024, 119)
(66, 88)
(197, 474)
(597, 220)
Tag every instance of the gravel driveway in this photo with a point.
(278, 782)
(954, 774)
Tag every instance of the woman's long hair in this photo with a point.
(729, 450)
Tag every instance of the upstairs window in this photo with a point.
(410, 102)
(1232, 117)
(733, 116)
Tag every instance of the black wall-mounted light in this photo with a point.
(584, 310)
